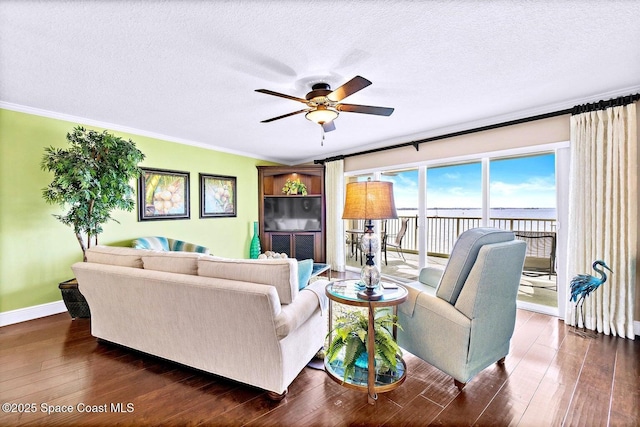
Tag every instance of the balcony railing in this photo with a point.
(442, 232)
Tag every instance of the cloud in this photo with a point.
(539, 192)
(534, 184)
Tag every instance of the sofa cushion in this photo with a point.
(112, 255)
(305, 268)
(280, 273)
(171, 262)
(155, 243)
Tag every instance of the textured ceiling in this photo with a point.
(186, 71)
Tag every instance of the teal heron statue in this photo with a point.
(583, 284)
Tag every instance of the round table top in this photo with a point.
(346, 292)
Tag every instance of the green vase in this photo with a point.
(254, 248)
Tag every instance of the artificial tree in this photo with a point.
(91, 178)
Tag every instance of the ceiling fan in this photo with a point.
(323, 104)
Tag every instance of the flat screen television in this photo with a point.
(292, 214)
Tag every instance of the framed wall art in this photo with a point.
(163, 194)
(218, 196)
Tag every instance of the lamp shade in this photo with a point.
(369, 200)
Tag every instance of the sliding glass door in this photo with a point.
(522, 198)
(439, 201)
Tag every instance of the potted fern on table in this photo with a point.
(350, 341)
(91, 179)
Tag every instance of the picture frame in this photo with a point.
(218, 196)
(163, 194)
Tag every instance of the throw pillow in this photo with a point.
(305, 268)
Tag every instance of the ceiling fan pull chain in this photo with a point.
(322, 136)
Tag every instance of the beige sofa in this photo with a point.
(241, 319)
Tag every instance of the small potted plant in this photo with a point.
(294, 187)
(350, 334)
(91, 178)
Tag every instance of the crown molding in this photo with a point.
(115, 127)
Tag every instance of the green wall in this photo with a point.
(36, 251)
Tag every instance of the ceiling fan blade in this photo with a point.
(328, 127)
(349, 88)
(281, 95)
(285, 115)
(365, 109)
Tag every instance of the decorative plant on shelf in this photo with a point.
(91, 178)
(350, 334)
(294, 187)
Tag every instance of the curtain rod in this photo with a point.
(623, 100)
(603, 105)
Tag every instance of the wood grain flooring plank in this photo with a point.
(549, 405)
(215, 400)
(552, 376)
(288, 412)
(553, 334)
(510, 403)
(438, 386)
(625, 405)
(469, 405)
(574, 342)
(552, 398)
(39, 324)
(142, 382)
(419, 411)
(359, 412)
(592, 396)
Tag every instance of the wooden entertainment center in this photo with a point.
(295, 227)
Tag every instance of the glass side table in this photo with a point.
(346, 292)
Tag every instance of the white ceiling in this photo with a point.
(186, 71)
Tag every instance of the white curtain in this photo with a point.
(603, 215)
(334, 194)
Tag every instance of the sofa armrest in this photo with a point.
(306, 304)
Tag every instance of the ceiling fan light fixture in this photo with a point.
(322, 115)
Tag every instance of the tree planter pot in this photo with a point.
(73, 299)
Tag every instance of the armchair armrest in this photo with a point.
(430, 276)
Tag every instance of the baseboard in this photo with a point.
(30, 313)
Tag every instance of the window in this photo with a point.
(454, 204)
(518, 190)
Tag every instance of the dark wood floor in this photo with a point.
(552, 376)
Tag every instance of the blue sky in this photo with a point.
(521, 182)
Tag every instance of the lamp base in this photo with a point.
(370, 294)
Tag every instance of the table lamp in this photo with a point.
(370, 200)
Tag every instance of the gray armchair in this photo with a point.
(460, 320)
